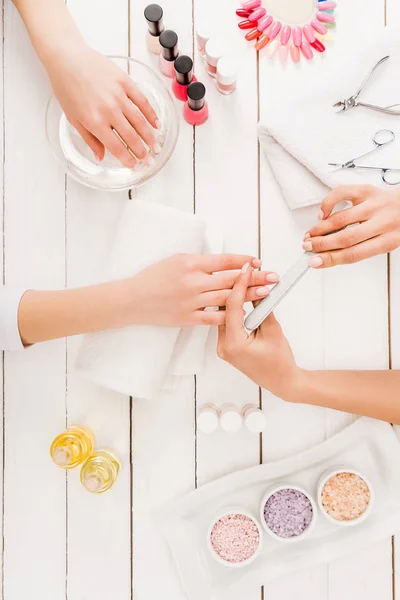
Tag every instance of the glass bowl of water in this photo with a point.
(79, 161)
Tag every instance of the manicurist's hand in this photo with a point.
(377, 214)
(265, 355)
(100, 101)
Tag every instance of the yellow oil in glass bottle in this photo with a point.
(72, 447)
(100, 471)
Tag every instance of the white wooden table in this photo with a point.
(59, 542)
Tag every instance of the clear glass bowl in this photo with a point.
(78, 160)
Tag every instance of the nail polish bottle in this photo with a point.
(203, 34)
(230, 418)
(153, 13)
(169, 52)
(207, 418)
(195, 110)
(100, 471)
(215, 48)
(226, 75)
(183, 76)
(254, 418)
(72, 447)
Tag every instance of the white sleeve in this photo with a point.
(10, 338)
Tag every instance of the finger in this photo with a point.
(351, 255)
(139, 123)
(220, 297)
(212, 317)
(268, 323)
(212, 263)
(221, 281)
(343, 239)
(340, 219)
(140, 100)
(355, 193)
(130, 137)
(91, 140)
(117, 148)
(235, 331)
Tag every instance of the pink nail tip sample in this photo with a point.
(257, 14)
(264, 23)
(283, 52)
(325, 17)
(285, 34)
(306, 50)
(295, 53)
(309, 33)
(318, 27)
(272, 48)
(297, 36)
(274, 30)
(326, 5)
(251, 4)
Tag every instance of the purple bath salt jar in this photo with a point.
(288, 513)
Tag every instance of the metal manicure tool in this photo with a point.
(352, 102)
(390, 175)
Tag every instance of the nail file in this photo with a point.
(278, 292)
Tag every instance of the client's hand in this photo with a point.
(175, 291)
(265, 355)
(378, 214)
(100, 99)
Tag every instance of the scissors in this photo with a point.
(382, 137)
(351, 102)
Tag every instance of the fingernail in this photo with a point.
(262, 291)
(307, 235)
(320, 215)
(272, 277)
(96, 157)
(256, 262)
(149, 160)
(158, 124)
(307, 246)
(156, 148)
(245, 268)
(315, 261)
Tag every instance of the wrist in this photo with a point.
(298, 386)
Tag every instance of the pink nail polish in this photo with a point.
(243, 13)
(195, 110)
(246, 24)
(154, 17)
(318, 45)
(297, 36)
(321, 215)
(318, 26)
(252, 35)
(262, 42)
(325, 17)
(203, 34)
(326, 5)
(215, 48)
(257, 14)
(251, 4)
(283, 53)
(272, 48)
(315, 261)
(169, 52)
(274, 30)
(183, 76)
(309, 33)
(285, 34)
(294, 53)
(226, 75)
(264, 23)
(306, 50)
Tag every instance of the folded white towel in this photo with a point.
(139, 360)
(301, 132)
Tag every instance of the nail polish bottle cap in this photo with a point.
(196, 92)
(184, 69)
(204, 33)
(215, 48)
(153, 13)
(169, 44)
(226, 71)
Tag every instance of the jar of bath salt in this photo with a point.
(288, 513)
(345, 496)
(234, 538)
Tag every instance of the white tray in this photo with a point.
(368, 446)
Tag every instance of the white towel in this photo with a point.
(140, 360)
(301, 132)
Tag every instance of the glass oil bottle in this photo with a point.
(72, 447)
(100, 471)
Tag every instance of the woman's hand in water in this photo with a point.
(375, 215)
(101, 101)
